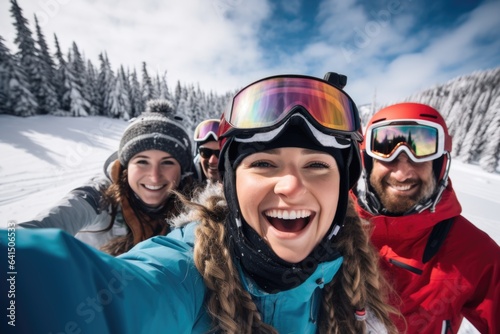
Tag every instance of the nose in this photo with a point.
(213, 160)
(290, 185)
(155, 173)
(404, 167)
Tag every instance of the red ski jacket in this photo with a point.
(461, 280)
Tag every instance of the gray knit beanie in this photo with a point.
(158, 128)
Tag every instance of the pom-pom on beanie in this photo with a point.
(157, 128)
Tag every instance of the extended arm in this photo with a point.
(63, 285)
(79, 209)
(483, 307)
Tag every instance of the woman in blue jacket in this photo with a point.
(281, 251)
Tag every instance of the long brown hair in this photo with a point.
(145, 224)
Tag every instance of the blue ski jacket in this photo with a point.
(61, 285)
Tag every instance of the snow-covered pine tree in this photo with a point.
(27, 53)
(163, 92)
(5, 60)
(178, 94)
(214, 109)
(210, 103)
(446, 101)
(48, 99)
(58, 74)
(481, 113)
(148, 91)
(490, 158)
(78, 71)
(469, 147)
(136, 101)
(183, 104)
(15, 97)
(125, 77)
(156, 86)
(127, 93)
(72, 101)
(119, 98)
(105, 83)
(91, 91)
(191, 112)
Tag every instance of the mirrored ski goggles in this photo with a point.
(205, 129)
(267, 102)
(420, 140)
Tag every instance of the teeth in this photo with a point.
(150, 187)
(402, 187)
(288, 214)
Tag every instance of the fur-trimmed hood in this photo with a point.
(189, 215)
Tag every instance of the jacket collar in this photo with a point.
(323, 275)
(447, 207)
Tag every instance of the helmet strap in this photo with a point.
(442, 184)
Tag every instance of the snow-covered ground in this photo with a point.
(43, 157)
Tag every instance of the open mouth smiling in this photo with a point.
(403, 187)
(288, 220)
(152, 187)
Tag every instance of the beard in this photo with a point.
(397, 204)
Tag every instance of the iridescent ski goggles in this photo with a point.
(266, 103)
(205, 129)
(420, 140)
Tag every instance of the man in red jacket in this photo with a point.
(442, 267)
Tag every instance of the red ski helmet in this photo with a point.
(415, 128)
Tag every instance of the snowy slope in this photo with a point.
(43, 157)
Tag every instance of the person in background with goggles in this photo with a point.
(206, 159)
(440, 264)
(281, 250)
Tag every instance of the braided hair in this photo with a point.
(358, 284)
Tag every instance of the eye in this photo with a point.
(318, 165)
(261, 164)
(141, 162)
(168, 162)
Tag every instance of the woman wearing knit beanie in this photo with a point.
(133, 202)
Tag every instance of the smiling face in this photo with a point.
(289, 197)
(210, 164)
(151, 174)
(402, 183)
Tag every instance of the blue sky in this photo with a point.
(388, 48)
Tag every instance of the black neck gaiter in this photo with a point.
(270, 272)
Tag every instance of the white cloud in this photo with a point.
(404, 57)
(210, 42)
(292, 7)
(218, 43)
(463, 44)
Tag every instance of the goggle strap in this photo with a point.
(323, 139)
(443, 183)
